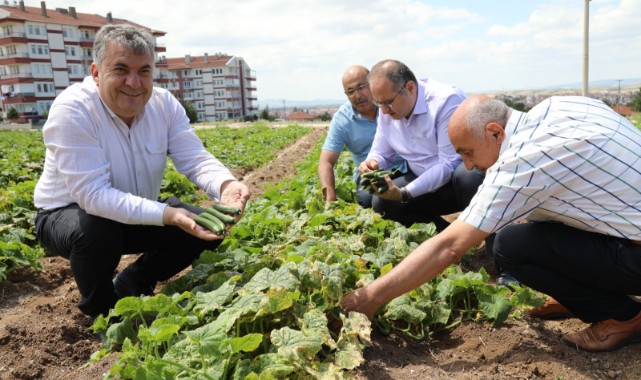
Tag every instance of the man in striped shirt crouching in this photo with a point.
(571, 168)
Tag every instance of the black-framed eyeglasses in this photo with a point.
(388, 103)
(359, 88)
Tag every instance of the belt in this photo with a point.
(635, 242)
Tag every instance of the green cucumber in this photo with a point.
(224, 217)
(209, 224)
(230, 210)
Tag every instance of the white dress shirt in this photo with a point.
(422, 138)
(114, 171)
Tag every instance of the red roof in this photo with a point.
(216, 60)
(300, 116)
(63, 16)
(623, 110)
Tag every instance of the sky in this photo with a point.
(299, 49)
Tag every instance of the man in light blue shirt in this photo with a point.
(353, 126)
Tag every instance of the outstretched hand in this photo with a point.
(234, 193)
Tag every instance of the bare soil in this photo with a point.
(44, 336)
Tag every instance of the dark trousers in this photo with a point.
(94, 246)
(452, 197)
(589, 273)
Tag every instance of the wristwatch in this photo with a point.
(405, 195)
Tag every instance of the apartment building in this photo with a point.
(219, 86)
(43, 51)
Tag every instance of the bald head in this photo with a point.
(477, 129)
(355, 72)
(475, 113)
(357, 90)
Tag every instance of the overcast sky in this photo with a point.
(300, 48)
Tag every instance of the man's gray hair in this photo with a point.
(135, 39)
(485, 111)
(395, 71)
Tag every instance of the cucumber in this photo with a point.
(224, 217)
(230, 210)
(209, 224)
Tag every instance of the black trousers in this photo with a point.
(94, 247)
(452, 197)
(589, 273)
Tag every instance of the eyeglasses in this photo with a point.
(388, 103)
(356, 89)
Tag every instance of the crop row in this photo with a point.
(259, 306)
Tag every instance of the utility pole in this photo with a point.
(619, 95)
(586, 28)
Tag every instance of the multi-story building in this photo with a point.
(219, 86)
(43, 51)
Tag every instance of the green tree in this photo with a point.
(519, 106)
(325, 116)
(607, 102)
(190, 111)
(265, 115)
(12, 113)
(635, 104)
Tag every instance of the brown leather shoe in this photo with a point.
(608, 335)
(551, 309)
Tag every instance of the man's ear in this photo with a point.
(495, 131)
(94, 73)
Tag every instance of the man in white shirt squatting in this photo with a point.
(107, 141)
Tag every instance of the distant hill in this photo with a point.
(610, 84)
(304, 104)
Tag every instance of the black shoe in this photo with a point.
(124, 287)
(506, 279)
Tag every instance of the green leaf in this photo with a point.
(496, 306)
(211, 301)
(247, 343)
(295, 345)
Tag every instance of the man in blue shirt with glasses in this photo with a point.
(353, 126)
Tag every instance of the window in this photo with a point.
(70, 51)
(39, 49)
(187, 84)
(67, 32)
(45, 87)
(7, 30)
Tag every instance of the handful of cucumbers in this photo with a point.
(216, 218)
(375, 177)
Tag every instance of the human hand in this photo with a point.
(360, 300)
(234, 193)
(367, 166)
(393, 192)
(184, 219)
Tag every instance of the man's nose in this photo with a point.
(133, 80)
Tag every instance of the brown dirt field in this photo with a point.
(44, 336)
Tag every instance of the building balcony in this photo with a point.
(14, 37)
(16, 75)
(12, 59)
(16, 98)
(250, 88)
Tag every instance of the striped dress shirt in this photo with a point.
(571, 160)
